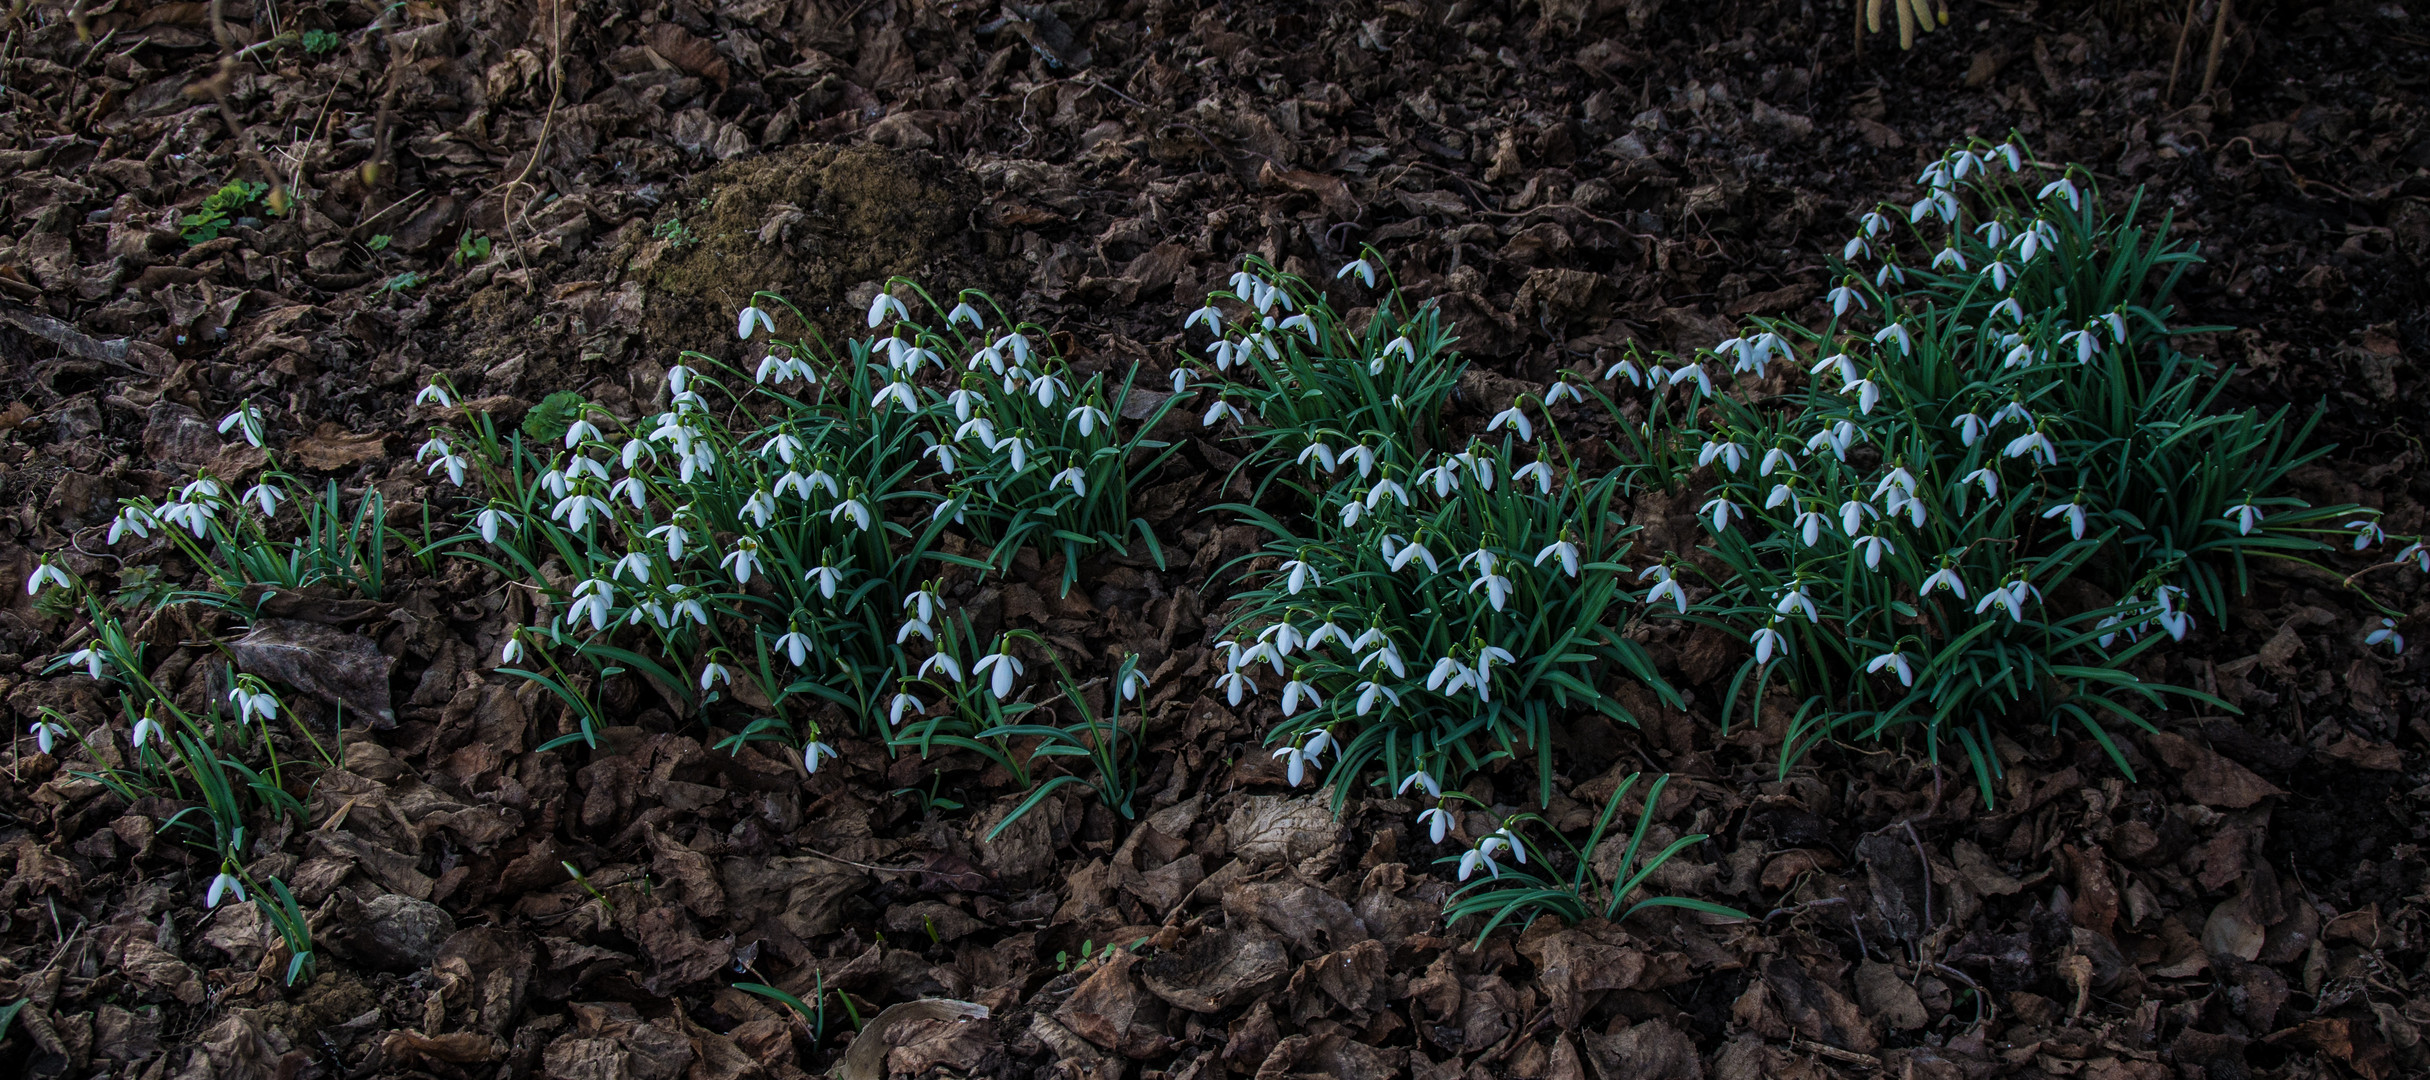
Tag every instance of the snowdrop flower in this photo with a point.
(857, 510)
(900, 393)
(1722, 509)
(2015, 158)
(2416, 553)
(1949, 256)
(1297, 574)
(579, 432)
(826, 578)
(1767, 640)
(2246, 514)
(2034, 444)
(434, 394)
(253, 703)
(1776, 458)
(1838, 364)
(1284, 637)
(1515, 419)
(881, 305)
(1423, 781)
(1207, 315)
(1970, 428)
(1386, 655)
(2177, 623)
(1898, 333)
(146, 730)
(1872, 546)
(2010, 596)
(2064, 188)
(1482, 855)
(903, 703)
(1233, 683)
(815, 752)
(1566, 551)
(2366, 533)
(221, 886)
(2074, 512)
(1301, 323)
(1005, 668)
(44, 732)
(1795, 599)
(743, 559)
(1868, 394)
(1897, 663)
(1132, 684)
(1090, 418)
(759, 508)
(1852, 515)
(1665, 584)
(595, 596)
(1537, 471)
(713, 673)
(1497, 588)
(1781, 493)
(1046, 387)
(2386, 634)
(2013, 411)
(248, 421)
(1730, 454)
(1704, 382)
(89, 659)
(635, 563)
(1887, 274)
(1899, 479)
(1362, 456)
(1074, 476)
(2087, 346)
(1450, 677)
(1437, 821)
(1809, 523)
(963, 312)
(1295, 690)
(1944, 578)
(950, 666)
(577, 509)
(1364, 269)
(750, 319)
(1856, 246)
(1369, 692)
(131, 519)
(268, 497)
(1999, 280)
(512, 651)
(1295, 763)
(1220, 410)
(48, 574)
(796, 646)
(1628, 368)
(1844, 296)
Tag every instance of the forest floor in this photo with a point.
(529, 196)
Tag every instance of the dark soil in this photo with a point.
(1565, 177)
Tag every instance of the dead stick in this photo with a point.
(2210, 68)
(2184, 31)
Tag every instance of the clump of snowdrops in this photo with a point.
(1434, 607)
(220, 755)
(775, 534)
(1999, 482)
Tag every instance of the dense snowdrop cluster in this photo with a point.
(1972, 433)
(770, 534)
(1437, 607)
